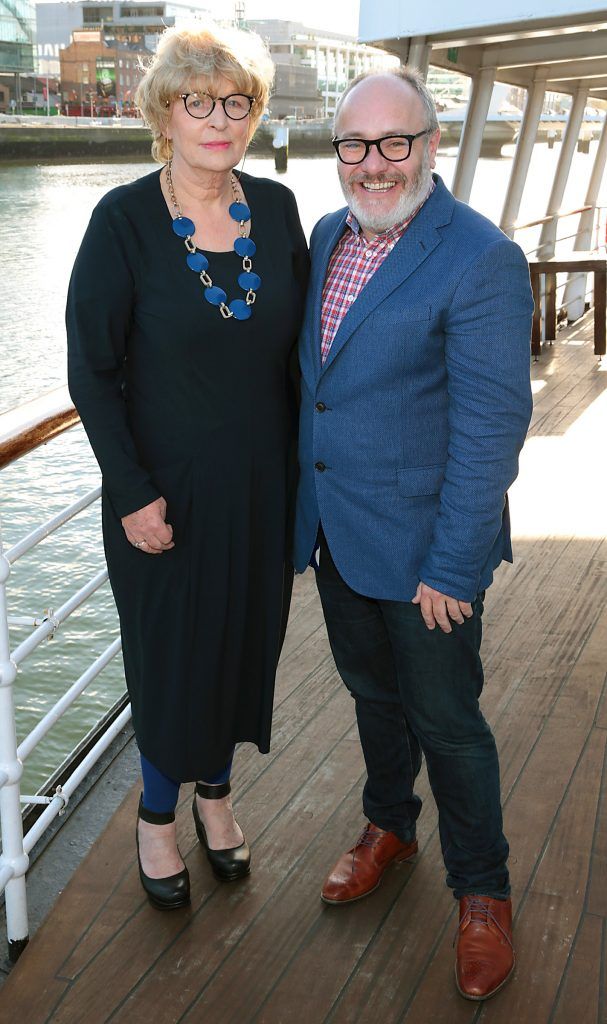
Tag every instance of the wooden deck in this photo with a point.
(267, 950)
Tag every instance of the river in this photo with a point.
(44, 210)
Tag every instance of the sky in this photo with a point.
(333, 15)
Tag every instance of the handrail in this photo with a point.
(21, 431)
(27, 426)
(554, 216)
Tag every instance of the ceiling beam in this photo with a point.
(575, 46)
(575, 69)
(514, 31)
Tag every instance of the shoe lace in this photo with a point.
(478, 910)
(366, 838)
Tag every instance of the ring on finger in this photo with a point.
(139, 543)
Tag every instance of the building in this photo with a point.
(336, 60)
(130, 24)
(17, 42)
(99, 75)
(295, 92)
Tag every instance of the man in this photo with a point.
(415, 403)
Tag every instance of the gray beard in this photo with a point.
(417, 189)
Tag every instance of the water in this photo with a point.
(44, 210)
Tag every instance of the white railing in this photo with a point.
(17, 846)
(565, 243)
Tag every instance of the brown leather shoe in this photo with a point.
(485, 955)
(359, 871)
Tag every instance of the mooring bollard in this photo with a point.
(280, 144)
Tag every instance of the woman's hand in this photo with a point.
(146, 529)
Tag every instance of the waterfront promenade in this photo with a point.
(267, 950)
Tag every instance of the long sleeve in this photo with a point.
(301, 272)
(98, 317)
(487, 352)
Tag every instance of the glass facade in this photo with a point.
(17, 36)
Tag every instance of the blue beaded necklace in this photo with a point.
(244, 247)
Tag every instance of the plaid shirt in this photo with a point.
(352, 263)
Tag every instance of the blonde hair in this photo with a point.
(204, 51)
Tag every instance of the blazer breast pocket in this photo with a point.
(416, 313)
(420, 481)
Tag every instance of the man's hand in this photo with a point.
(440, 608)
(146, 529)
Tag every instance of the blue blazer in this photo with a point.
(410, 432)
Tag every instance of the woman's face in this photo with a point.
(212, 143)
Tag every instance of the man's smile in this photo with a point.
(377, 186)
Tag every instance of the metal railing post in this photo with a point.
(13, 861)
(472, 133)
(575, 292)
(522, 157)
(574, 122)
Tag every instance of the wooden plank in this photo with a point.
(547, 772)
(550, 306)
(145, 956)
(34, 986)
(600, 310)
(536, 792)
(364, 976)
(536, 330)
(578, 998)
(229, 918)
(547, 916)
(575, 261)
(273, 789)
(596, 902)
(291, 953)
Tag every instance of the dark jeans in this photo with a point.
(416, 690)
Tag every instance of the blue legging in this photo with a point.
(160, 793)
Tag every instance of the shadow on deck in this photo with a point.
(267, 950)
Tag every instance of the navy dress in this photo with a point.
(178, 402)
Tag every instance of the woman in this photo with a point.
(182, 317)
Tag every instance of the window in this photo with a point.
(95, 15)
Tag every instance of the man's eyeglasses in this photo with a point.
(391, 147)
(200, 104)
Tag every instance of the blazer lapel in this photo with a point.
(320, 266)
(418, 241)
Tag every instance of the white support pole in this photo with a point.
(472, 133)
(419, 55)
(13, 861)
(522, 156)
(575, 291)
(574, 123)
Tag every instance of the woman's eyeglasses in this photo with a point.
(199, 104)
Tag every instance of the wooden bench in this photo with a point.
(582, 262)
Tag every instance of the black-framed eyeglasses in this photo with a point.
(199, 104)
(391, 147)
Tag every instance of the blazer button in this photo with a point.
(320, 407)
(320, 467)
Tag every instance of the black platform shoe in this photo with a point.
(163, 893)
(228, 865)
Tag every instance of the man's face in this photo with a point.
(380, 192)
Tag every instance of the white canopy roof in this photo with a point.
(561, 41)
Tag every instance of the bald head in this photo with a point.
(403, 82)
